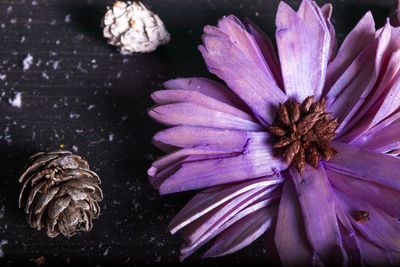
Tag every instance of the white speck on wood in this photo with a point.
(2, 243)
(16, 101)
(45, 75)
(74, 115)
(111, 137)
(7, 135)
(55, 64)
(2, 211)
(27, 62)
(67, 18)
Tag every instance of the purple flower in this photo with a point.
(344, 209)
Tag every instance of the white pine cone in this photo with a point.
(133, 28)
(60, 193)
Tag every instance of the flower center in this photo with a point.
(304, 132)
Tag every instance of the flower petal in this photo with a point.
(209, 138)
(326, 10)
(236, 66)
(160, 176)
(383, 101)
(242, 233)
(267, 49)
(394, 257)
(214, 219)
(245, 42)
(320, 26)
(379, 228)
(317, 205)
(197, 115)
(270, 246)
(256, 161)
(348, 236)
(172, 160)
(290, 237)
(373, 255)
(357, 40)
(265, 201)
(367, 165)
(303, 62)
(207, 87)
(209, 199)
(391, 102)
(361, 135)
(185, 96)
(383, 140)
(352, 88)
(374, 194)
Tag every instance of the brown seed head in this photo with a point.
(305, 132)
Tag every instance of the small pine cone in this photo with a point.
(59, 193)
(134, 28)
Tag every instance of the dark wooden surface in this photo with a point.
(82, 94)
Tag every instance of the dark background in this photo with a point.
(82, 94)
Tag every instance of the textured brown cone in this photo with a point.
(59, 193)
(304, 132)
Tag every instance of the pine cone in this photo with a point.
(134, 28)
(60, 193)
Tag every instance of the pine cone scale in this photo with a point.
(45, 199)
(57, 206)
(36, 164)
(32, 195)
